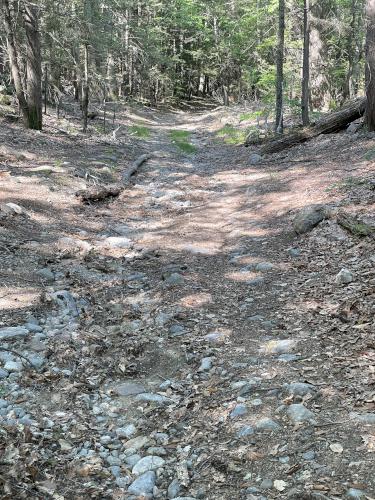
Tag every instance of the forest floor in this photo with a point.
(180, 340)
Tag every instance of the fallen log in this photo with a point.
(98, 194)
(330, 123)
(356, 224)
(135, 166)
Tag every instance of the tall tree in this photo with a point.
(279, 122)
(370, 65)
(28, 87)
(306, 64)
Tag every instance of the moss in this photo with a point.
(232, 135)
(5, 100)
(181, 139)
(140, 131)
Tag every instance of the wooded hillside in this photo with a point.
(164, 51)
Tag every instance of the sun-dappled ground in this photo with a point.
(184, 320)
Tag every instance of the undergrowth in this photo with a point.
(181, 139)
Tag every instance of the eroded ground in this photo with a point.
(184, 341)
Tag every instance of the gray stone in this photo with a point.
(13, 332)
(126, 432)
(37, 361)
(344, 277)
(132, 460)
(266, 484)
(239, 411)
(115, 470)
(162, 438)
(177, 330)
(308, 455)
(267, 424)
(156, 450)
(149, 397)
(113, 460)
(37, 346)
(165, 385)
(353, 127)
(215, 337)
(13, 366)
(245, 431)
(26, 420)
(185, 498)
(256, 281)
(299, 388)
(129, 389)
(174, 489)
(66, 302)
(206, 365)
(148, 463)
(287, 358)
(137, 443)
(3, 374)
(294, 252)
(123, 481)
(118, 242)
(280, 346)
(144, 484)
(264, 266)
(255, 318)
(354, 493)
(174, 279)
(46, 274)
(255, 158)
(364, 418)
(299, 413)
(308, 218)
(249, 387)
(4, 403)
(33, 327)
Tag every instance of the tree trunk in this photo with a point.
(330, 123)
(13, 57)
(85, 89)
(225, 95)
(306, 64)
(280, 69)
(370, 65)
(34, 67)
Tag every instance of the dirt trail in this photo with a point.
(195, 327)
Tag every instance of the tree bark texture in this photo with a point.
(332, 122)
(280, 69)
(33, 67)
(370, 65)
(305, 65)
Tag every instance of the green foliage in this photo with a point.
(181, 139)
(370, 154)
(140, 131)
(232, 135)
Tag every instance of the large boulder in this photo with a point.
(308, 218)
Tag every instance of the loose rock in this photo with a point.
(308, 218)
(144, 484)
(147, 464)
(299, 413)
(344, 277)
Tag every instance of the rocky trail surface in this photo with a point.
(208, 334)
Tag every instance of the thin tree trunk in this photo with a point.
(370, 65)
(85, 88)
(306, 64)
(280, 69)
(34, 67)
(13, 57)
(45, 88)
